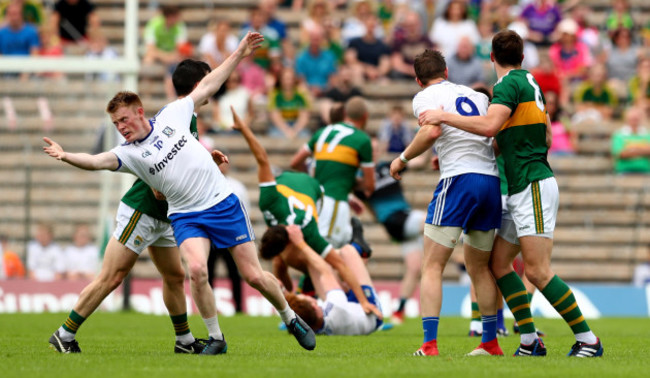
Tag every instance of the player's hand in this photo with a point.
(396, 167)
(219, 157)
(159, 196)
(431, 117)
(250, 42)
(371, 308)
(239, 124)
(295, 234)
(54, 149)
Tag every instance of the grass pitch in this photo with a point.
(136, 345)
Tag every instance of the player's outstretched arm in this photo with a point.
(487, 125)
(335, 260)
(213, 81)
(264, 172)
(422, 141)
(105, 160)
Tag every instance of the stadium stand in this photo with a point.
(602, 222)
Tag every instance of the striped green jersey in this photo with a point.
(339, 150)
(522, 138)
(292, 199)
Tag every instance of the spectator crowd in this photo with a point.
(591, 68)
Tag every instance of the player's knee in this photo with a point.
(198, 271)
(539, 275)
(175, 277)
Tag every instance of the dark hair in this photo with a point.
(187, 74)
(123, 99)
(304, 309)
(337, 113)
(429, 65)
(465, 10)
(508, 48)
(274, 241)
(170, 10)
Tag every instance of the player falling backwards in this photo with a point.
(290, 199)
(141, 223)
(518, 119)
(202, 208)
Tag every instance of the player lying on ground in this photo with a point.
(340, 313)
(291, 199)
(142, 223)
(202, 207)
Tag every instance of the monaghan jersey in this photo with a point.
(173, 162)
(459, 151)
(341, 317)
(141, 198)
(339, 150)
(522, 138)
(294, 198)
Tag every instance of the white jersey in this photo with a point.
(341, 317)
(459, 151)
(173, 162)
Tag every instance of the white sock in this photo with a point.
(213, 328)
(528, 338)
(586, 337)
(65, 335)
(185, 339)
(287, 315)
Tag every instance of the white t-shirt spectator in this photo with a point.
(45, 262)
(208, 46)
(84, 259)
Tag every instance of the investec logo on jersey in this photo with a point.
(157, 167)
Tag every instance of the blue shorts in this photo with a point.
(226, 224)
(371, 294)
(471, 201)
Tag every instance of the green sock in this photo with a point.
(476, 314)
(561, 297)
(181, 326)
(73, 322)
(514, 292)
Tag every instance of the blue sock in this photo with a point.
(489, 328)
(430, 326)
(500, 323)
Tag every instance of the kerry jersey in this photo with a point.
(293, 198)
(522, 138)
(339, 150)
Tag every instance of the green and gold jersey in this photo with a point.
(522, 138)
(339, 151)
(292, 199)
(141, 198)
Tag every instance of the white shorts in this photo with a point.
(137, 231)
(508, 230)
(334, 222)
(534, 210)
